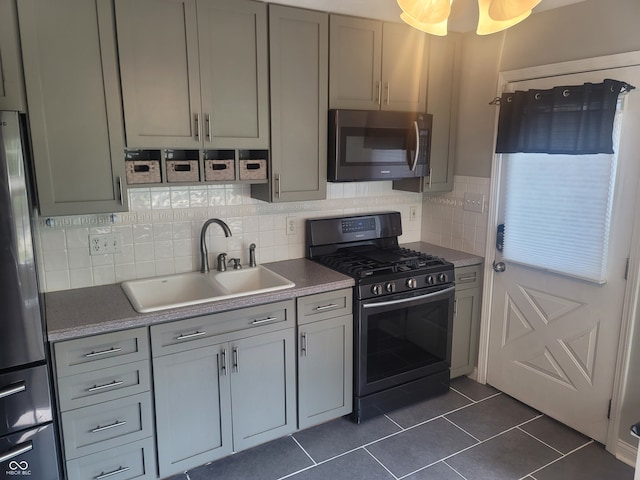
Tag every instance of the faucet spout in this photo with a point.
(204, 254)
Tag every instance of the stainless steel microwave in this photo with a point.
(376, 145)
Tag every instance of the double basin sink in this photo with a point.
(181, 290)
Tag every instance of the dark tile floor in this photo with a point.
(473, 432)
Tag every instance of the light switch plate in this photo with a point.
(473, 202)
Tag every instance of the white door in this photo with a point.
(553, 339)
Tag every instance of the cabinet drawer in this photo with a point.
(468, 277)
(203, 331)
(98, 427)
(133, 461)
(325, 305)
(101, 351)
(98, 386)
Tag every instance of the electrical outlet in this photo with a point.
(413, 213)
(105, 243)
(292, 227)
(473, 202)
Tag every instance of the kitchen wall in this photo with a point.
(160, 233)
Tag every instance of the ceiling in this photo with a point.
(463, 15)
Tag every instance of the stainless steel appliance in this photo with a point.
(28, 446)
(403, 309)
(370, 145)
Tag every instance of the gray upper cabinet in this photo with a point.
(299, 95)
(194, 73)
(376, 65)
(442, 103)
(11, 80)
(73, 98)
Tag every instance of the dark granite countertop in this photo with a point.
(94, 310)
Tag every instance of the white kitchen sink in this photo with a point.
(181, 290)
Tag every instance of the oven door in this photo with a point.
(403, 337)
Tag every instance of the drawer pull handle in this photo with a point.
(326, 307)
(109, 474)
(18, 450)
(187, 336)
(303, 344)
(97, 388)
(103, 352)
(223, 360)
(466, 278)
(13, 389)
(264, 320)
(108, 427)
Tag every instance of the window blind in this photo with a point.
(558, 212)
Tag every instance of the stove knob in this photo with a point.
(390, 287)
(442, 278)
(376, 289)
(411, 283)
(430, 280)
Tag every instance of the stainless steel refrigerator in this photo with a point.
(28, 447)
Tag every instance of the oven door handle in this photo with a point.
(411, 299)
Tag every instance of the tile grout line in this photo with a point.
(381, 464)
(541, 441)
(461, 476)
(557, 460)
(304, 450)
(460, 428)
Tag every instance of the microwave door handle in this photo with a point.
(412, 166)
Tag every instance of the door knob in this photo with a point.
(499, 267)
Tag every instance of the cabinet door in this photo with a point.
(72, 85)
(299, 60)
(193, 408)
(356, 55)
(158, 51)
(404, 68)
(442, 103)
(325, 370)
(234, 73)
(263, 388)
(11, 81)
(466, 321)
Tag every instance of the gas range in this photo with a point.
(366, 248)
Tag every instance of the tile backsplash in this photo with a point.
(161, 232)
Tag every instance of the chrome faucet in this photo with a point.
(252, 255)
(204, 254)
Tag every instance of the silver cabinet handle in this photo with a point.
(207, 120)
(187, 336)
(109, 474)
(416, 156)
(467, 278)
(120, 191)
(326, 307)
(13, 389)
(303, 344)
(379, 88)
(223, 360)
(278, 185)
(108, 427)
(264, 320)
(235, 359)
(197, 127)
(18, 450)
(388, 92)
(97, 388)
(430, 176)
(103, 352)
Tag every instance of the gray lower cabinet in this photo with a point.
(325, 357)
(11, 79)
(298, 48)
(225, 382)
(75, 110)
(106, 410)
(466, 320)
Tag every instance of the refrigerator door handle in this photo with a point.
(13, 389)
(16, 451)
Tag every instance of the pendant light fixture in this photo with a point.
(431, 16)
